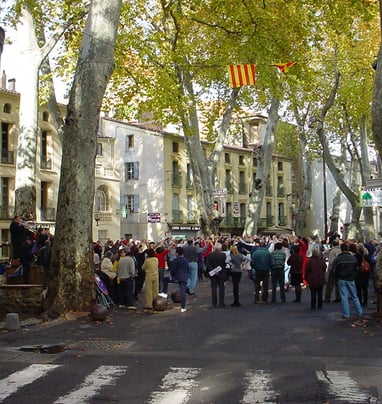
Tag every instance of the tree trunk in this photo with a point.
(376, 110)
(71, 286)
(304, 199)
(31, 55)
(258, 192)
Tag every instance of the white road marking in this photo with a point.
(259, 388)
(102, 376)
(17, 380)
(176, 386)
(341, 386)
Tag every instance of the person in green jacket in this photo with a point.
(277, 272)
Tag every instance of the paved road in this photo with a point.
(274, 353)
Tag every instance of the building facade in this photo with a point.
(157, 190)
(144, 185)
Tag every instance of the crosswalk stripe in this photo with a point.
(102, 376)
(176, 386)
(343, 387)
(259, 387)
(17, 380)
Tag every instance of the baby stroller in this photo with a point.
(102, 293)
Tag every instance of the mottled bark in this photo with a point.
(72, 280)
(258, 192)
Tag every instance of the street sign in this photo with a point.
(219, 193)
(153, 217)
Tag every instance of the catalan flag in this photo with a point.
(284, 67)
(241, 75)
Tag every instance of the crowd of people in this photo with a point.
(282, 262)
(30, 245)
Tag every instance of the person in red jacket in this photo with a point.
(315, 276)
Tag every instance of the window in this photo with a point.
(279, 166)
(129, 142)
(227, 158)
(131, 171)
(176, 213)
(242, 210)
(280, 187)
(242, 183)
(4, 192)
(132, 203)
(45, 116)
(4, 137)
(282, 218)
(175, 147)
(189, 180)
(228, 183)
(254, 162)
(7, 108)
(45, 162)
(241, 160)
(101, 199)
(176, 177)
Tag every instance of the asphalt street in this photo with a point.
(256, 353)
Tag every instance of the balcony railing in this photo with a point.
(6, 211)
(268, 190)
(233, 222)
(176, 181)
(283, 220)
(46, 163)
(266, 221)
(102, 216)
(107, 172)
(48, 214)
(229, 188)
(177, 216)
(281, 193)
(190, 184)
(7, 157)
(192, 216)
(243, 188)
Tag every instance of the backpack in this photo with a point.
(365, 266)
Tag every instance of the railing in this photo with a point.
(177, 216)
(190, 185)
(283, 220)
(176, 181)
(101, 216)
(266, 221)
(229, 188)
(104, 172)
(243, 188)
(281, 193)
(7, 157)
(268, 190)
(48, 214)
(192, 216)
(46, 163)
(6, 212)
(233, 221)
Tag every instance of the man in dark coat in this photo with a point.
(216, 264)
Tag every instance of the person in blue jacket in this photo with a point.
(179, 274)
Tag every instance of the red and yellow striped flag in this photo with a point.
(284, 67)
(241, 75)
